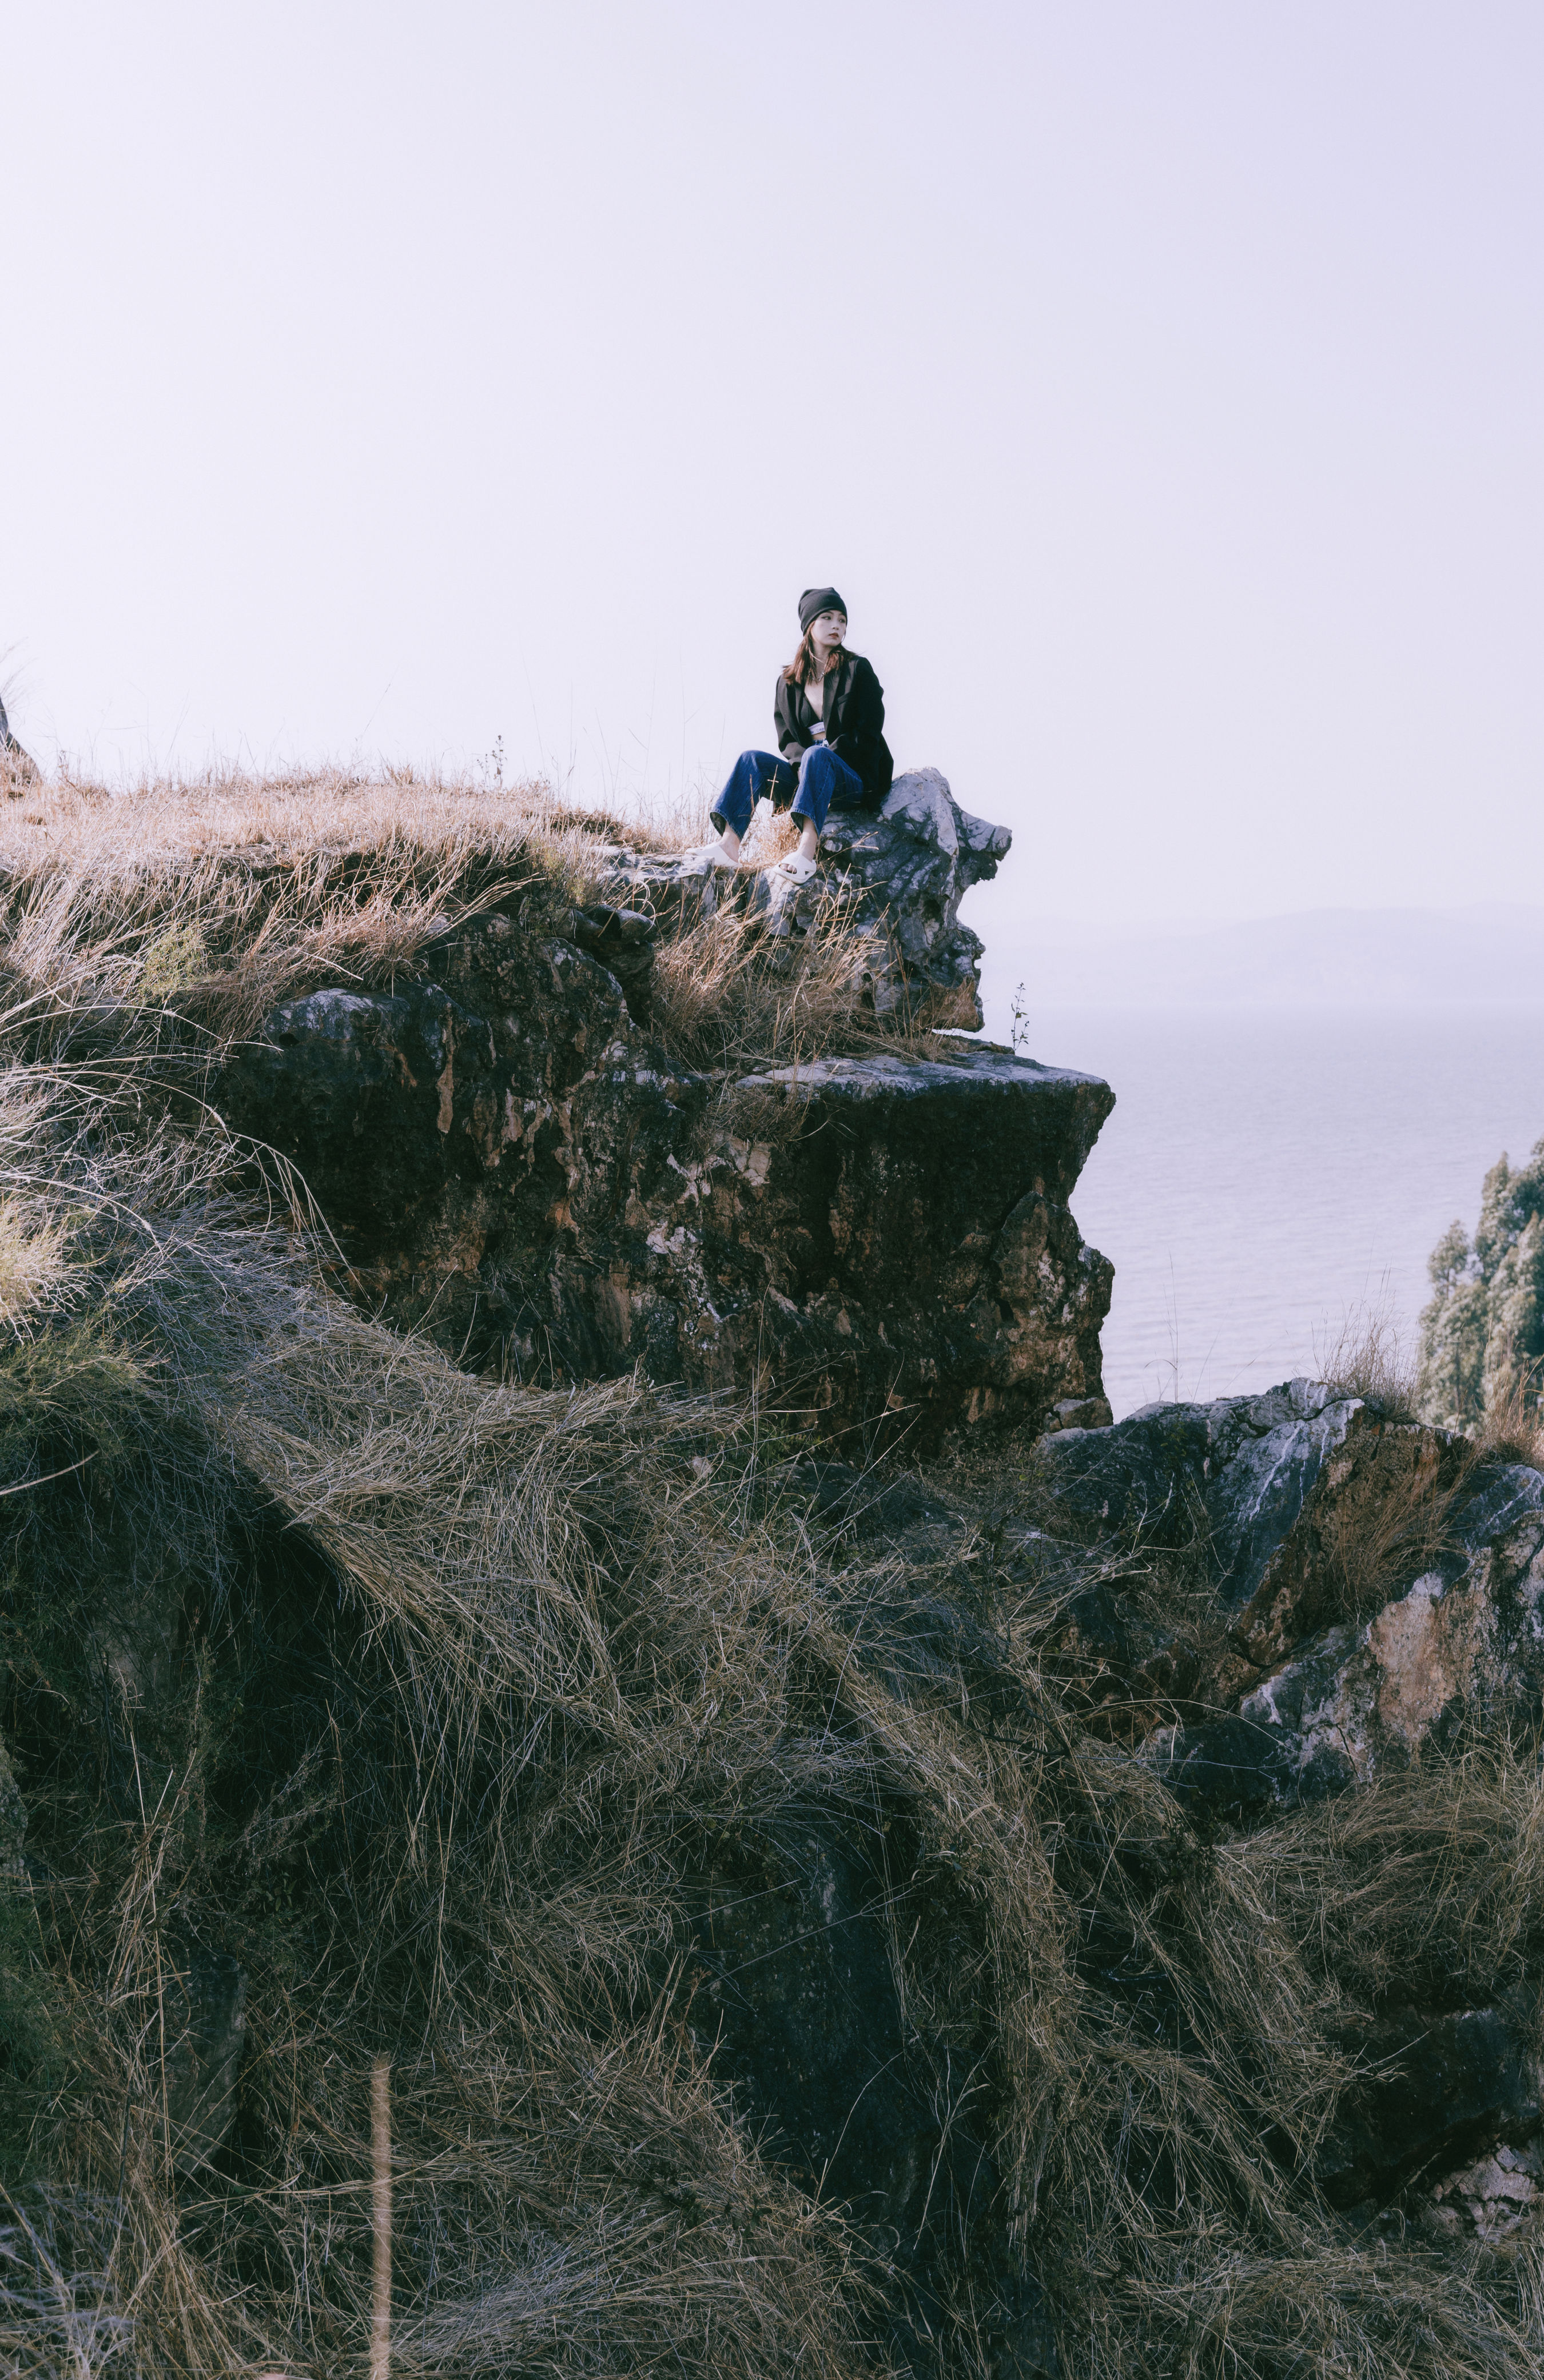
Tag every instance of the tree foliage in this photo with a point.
(1482, 1334)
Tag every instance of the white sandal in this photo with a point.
(797, 867)
(708, 855)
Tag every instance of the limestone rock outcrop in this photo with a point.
(504, 1151)
(1375, 1584)
(894, 877)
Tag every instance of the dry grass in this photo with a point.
(1368, 1358)
(1391, 1521)
(1513, 1429)
(433, 1696)
(726, 994)
(1429, 1885)
(213, 899)
(171, 824)
(216, 899)
(450, 1828)
(1394, 1522)
(451, 1822)
(19, 775)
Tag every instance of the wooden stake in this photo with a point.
(381, 2207)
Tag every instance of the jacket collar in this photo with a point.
(836, 684)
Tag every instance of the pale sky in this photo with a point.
(1162, 386)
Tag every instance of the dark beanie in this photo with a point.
(816, 599)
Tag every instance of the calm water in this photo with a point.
(1264, 1174)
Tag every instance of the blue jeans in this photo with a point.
(820, 783)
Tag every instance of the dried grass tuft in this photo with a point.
(1368, 1358)
(727, 993)
(1513, 1427)
(436, 1777)
(1392, 1521)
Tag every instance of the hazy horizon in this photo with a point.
(1068, 921)
(1267, 1181)
(1161, 389)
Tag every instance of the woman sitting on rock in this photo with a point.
(829, 714)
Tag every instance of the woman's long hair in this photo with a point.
(798, 670)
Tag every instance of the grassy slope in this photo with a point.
(463, 1681)
(218, 900)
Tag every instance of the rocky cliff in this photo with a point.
(1043, 1904)
(507, 1149)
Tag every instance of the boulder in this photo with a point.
(895, 877)
(1236, 1473)
(501, 1153)
(1375, 1583)
(1283, 1496)
(1465, 1639)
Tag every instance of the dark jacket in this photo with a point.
(853, 713)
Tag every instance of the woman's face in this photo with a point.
(829, 627)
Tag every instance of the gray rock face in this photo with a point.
(895, 876)
(503, 1151)
(1476, 2085)
(1377, 1585)
(800, 1999)
(1466, 1637)
(1239, 1470)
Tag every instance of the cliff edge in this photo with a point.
(509, 1149)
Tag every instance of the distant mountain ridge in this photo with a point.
(1488, 951)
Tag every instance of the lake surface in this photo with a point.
(1266, 1173)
